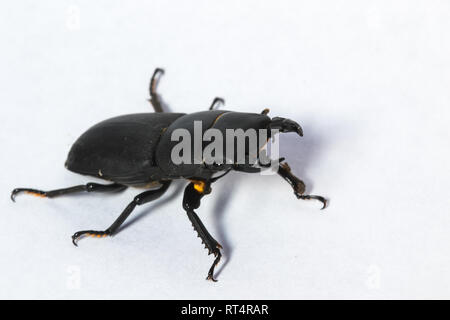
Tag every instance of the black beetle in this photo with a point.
(134, 150)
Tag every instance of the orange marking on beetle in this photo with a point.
(217, 118)
(199, 185)
(36, 194)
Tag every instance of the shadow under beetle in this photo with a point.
(135, 150)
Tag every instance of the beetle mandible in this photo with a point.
(134, 150)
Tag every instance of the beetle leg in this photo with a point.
(298, 185)
(89, 187)
(191, 200)
(141, 198)
(154, 99)
(216, 102)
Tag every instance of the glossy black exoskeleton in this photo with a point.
(135, 150)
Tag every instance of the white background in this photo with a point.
(368, 81)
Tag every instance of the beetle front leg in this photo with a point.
(298, 185)
(89, 187)
(191, 200)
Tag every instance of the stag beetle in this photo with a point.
(135, 150)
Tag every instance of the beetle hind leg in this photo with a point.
(33, 192)
(88, 233)
(89, 187)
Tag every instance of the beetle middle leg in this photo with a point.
(191, 200)
(140, 199)
(89, 187)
